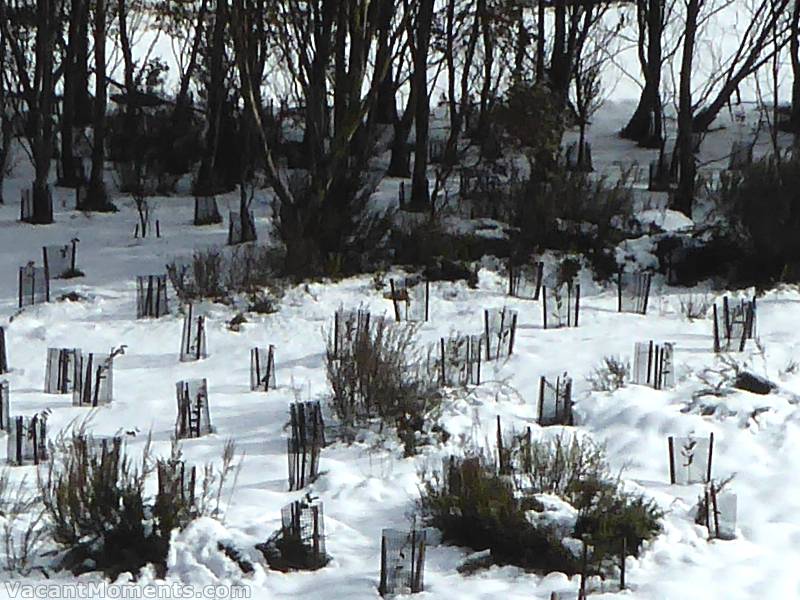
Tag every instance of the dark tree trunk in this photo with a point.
(384, 111)
(97, 197)
(684, 158)
(74, 76)
(208, 180)
(540, 72)
(420, 192)
(488, 70)
(794, 52)
(559, 63)
(41, 111)
(5, 119)
(646, 125)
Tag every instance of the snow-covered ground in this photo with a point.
(368, 485)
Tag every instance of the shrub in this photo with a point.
(696, 306)
(574, 212)
(610, 375)
(219, 274)
(96, 508)
(95, 505)
(22, 529)
(476, 507)
(763, 209)
(378, 373)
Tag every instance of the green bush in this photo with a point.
(763, 209)
(476, 507)
(97, 511)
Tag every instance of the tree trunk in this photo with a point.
(794, 52)
(540, 72)
(97, 197)
(5, 120)
(73, 77)
(207, 178)
(559, 63)
(684, 195)
(646, 125)
(384, 111)
(420, 192)
(42, 112)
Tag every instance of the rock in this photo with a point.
(476, 562)
(756, 384)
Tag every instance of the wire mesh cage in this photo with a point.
(690, 459)
(60, 261)
(176, 481)
(27, 440)
(525, 281)
(262, 368)
(194, 418)
(633, 292)
(3, 353)
(734, 325)
(206, 211)
(720, 513)
(60, 370)
(5, 419)
(410, 299)
(460, 360)
(305, 444)
(151, 296)
(555, 401)
(34, 285)
(302, 536)
(499, 326)
(402, 562)
(561, 305)
(193, 336)
(349, 327)
(93, 380)
(653, 365)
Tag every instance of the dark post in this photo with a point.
(513, 334)
(544, 306)
(710, 455)
(622, 563)
(394, 301)
(716, 330)
(486, 330)
(671, 445)
(619, 290)
(577, 302)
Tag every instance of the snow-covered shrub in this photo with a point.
(513, 515)
(473, 506)
(97, 510)
(379, 374)
(610, 375)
